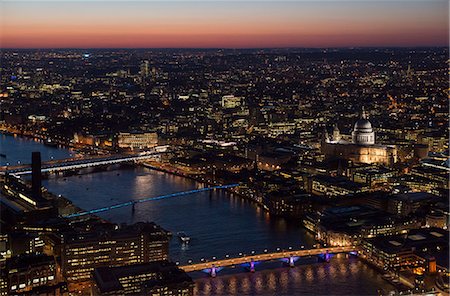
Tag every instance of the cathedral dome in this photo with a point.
(363, 125)
(363, 133)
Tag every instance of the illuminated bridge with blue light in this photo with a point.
(133, 202)
(249, 262)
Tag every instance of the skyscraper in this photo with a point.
(145, 68)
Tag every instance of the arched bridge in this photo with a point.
(74, 164)
(133, 202)
(290, 256)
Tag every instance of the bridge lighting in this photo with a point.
(189, 261)
(290, 248)
(227, 256)
(302, 247)
(214, 257)
(177, 263)
(253, 252)
(278, 249)
(265, 250)
(240, 254)
(203, 259)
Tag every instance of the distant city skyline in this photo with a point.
(221, 24)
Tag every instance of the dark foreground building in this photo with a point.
(27, 272)
(154, 278)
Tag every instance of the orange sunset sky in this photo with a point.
(134, 24)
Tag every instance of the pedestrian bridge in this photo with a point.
(147, 199)
(77, 163)
(290, 256)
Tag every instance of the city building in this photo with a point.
(335, 186)
(230, 102)
(405, 204)
(154, 278)
(26, 272)
(401, 251)
(136, 141)
(437, 220)
(81, 253)
(373, 176)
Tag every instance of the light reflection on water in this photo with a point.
(314, 279)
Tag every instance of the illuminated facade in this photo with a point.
(137, 140)
(372, 176)
(435, 219)
(138, 243)
(362, 148)
(3, 283)
(391, 252)
(231, 101)
(335, 186)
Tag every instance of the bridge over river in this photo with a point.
(290, 256)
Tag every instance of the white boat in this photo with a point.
(183, 237)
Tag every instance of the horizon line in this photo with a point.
(234, 48)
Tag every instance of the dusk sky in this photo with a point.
(88, 24)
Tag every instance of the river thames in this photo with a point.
(218, 224)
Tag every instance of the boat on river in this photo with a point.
(183, 237)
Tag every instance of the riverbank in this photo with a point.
(63, 143)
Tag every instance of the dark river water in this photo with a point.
(219, 224)
(17, 150)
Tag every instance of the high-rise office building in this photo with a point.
(81, 253)
(145, 68)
